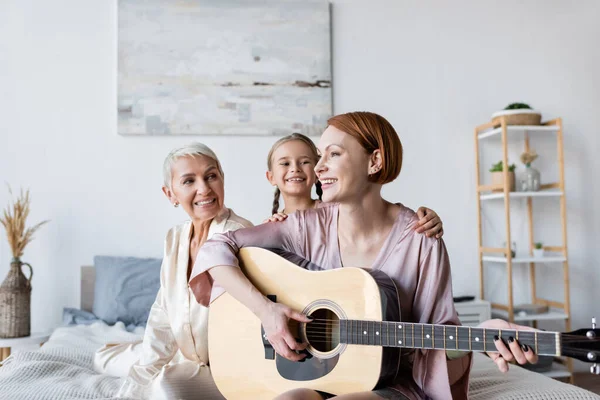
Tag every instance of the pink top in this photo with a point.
(418, 265)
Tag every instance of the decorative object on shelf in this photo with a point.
(538, 250)
(15, 291)
(529, 180)
(513, 249)
(518, 114)
(524, 310)
(498, 176)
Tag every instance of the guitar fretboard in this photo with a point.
(442, 337)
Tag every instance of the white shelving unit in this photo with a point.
(552, 315)
(527, 260)
(559, 310)
(524, 195)
(519, 129)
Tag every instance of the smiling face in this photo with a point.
(344, 167)
(198, 186)
(292, 168)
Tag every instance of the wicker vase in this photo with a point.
(15, 302)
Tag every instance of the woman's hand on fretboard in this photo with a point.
(509, 349)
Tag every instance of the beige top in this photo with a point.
(177, 327)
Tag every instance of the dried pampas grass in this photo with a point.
(528, 157)
(13, 220)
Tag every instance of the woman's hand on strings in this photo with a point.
(275, 320)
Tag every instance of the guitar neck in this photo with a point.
(442, 337)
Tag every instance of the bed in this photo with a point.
(63, 367)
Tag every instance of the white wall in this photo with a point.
(434, 69)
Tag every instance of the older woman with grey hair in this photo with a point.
(171, 362)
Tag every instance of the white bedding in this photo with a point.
(487, 382)
(63, 369)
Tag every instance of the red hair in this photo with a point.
(373, 132)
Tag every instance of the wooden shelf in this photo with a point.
(552, 315)
(527, 260)
(503, 134)
(516, 195)
(518, 128)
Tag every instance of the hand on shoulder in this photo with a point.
(429, 223)
(277, 217)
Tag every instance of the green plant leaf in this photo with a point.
(517, 106)
(498, 167)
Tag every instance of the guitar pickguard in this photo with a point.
(309, 369)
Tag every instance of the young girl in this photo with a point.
(291, 170)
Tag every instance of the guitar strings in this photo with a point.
(540, 341)
(466, 347)
(566, 337)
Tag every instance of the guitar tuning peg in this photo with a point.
(595, 369)
(592, 333)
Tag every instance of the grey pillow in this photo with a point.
(125, 288)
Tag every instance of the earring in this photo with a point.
(176, 205)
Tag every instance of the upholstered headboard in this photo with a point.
(88, 279)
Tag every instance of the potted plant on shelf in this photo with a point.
(538, 250)
(518, 114)
(498, 176)
(530, 179)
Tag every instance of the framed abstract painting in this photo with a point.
(223, 67)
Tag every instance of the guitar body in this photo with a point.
(242, 363)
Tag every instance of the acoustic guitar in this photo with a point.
(355, 339)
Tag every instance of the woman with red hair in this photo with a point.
(359, 153)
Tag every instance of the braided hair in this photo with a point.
(276, 201)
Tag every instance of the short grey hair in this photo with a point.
(192, 149)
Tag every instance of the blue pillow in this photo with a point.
(75, 316)
(125, 288)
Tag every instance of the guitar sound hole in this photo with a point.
(323, 333)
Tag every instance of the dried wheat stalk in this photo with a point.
(528, 157)
(13, 220)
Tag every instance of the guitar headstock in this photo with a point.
(583, 345)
